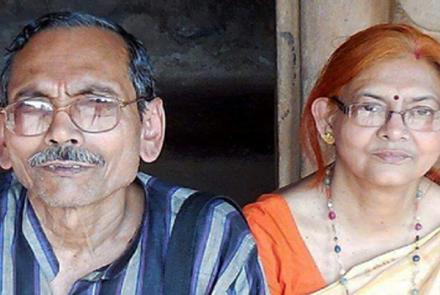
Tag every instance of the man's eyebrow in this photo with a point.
(96, 89)
(28, 92)
(90, 89)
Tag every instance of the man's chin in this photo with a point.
(66, 197)
(55, 202)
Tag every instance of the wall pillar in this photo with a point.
(288, 91)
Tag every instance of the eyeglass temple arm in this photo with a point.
(126, 103)
(345, 109)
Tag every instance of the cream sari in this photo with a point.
(392, 273)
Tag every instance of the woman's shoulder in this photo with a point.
(431, 195)
(278, 203)
(269, 214)
(430, 205)
(285, 257)
(265, 206)
(304, 199)
(276, 214)
(298, 190)
(432, 188)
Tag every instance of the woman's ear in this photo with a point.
(323, 115)
(153, 130)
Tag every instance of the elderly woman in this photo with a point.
(369, 222)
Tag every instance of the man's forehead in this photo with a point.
(87, 43)
(66, 56)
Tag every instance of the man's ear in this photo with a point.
(153, 130)
(323, 115)
(5, 160)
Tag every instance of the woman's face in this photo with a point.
(390, 154)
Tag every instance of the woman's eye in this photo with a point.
(370, 107)
(423, 111)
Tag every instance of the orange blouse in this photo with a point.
(288, 265)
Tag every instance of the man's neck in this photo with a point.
(90, 228)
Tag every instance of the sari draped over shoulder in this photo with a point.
(392, 272)
(290, 269)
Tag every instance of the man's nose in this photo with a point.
(63, 131)
(394, 128)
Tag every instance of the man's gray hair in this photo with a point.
(140, 68)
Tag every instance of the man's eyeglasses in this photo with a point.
(370, 114)
(93, 114)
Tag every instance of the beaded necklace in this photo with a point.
(338, 249)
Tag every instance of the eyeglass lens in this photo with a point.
(418, 118)
(32, 117)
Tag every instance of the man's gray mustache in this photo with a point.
(65, 153)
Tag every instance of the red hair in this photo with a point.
(359, 52)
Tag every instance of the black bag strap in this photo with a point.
(180, 256)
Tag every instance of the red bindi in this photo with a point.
(396, 97)
(417, 53)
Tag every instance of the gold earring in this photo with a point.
(328, 137)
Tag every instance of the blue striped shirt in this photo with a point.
(226, 260)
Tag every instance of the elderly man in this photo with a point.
(76, 216)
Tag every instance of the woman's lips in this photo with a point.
(392, 156)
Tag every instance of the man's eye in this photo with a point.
(34, 106)
(100, 99)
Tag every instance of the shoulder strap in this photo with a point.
(180, 256)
